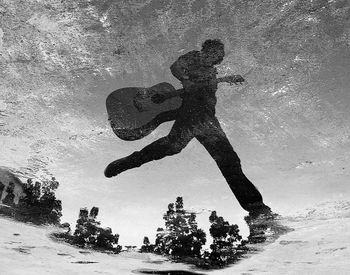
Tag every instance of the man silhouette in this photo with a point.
(196, 119)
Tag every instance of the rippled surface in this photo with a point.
(289, 124)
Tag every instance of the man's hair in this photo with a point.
(212, 44)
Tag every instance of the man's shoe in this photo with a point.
(265, 225)
(256, 209)
(114, 168)
(120, 165)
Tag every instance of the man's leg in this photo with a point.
(213, 138)
(148, 128)
(178, 138)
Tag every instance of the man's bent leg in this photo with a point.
(172, 144)
(154, 123)
(216, 143)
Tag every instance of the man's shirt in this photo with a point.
(201, 97)
(190, 65)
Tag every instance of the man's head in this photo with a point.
(213, 51)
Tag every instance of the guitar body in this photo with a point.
(132, 113)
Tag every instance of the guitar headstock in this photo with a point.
(234, 79)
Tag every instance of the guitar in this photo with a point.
(134, 112)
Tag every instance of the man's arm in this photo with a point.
(179, 69)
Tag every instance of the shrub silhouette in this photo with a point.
(226, 241)
(89, 234)
(10, 196)
(2, 187)
(147, 246)
(181, 236)
(38, 203)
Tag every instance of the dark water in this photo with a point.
(84, 262)
(166, 272)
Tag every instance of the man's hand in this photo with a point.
(237, 79)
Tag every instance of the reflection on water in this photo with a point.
(166, 272)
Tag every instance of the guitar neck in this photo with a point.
(224, 79)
